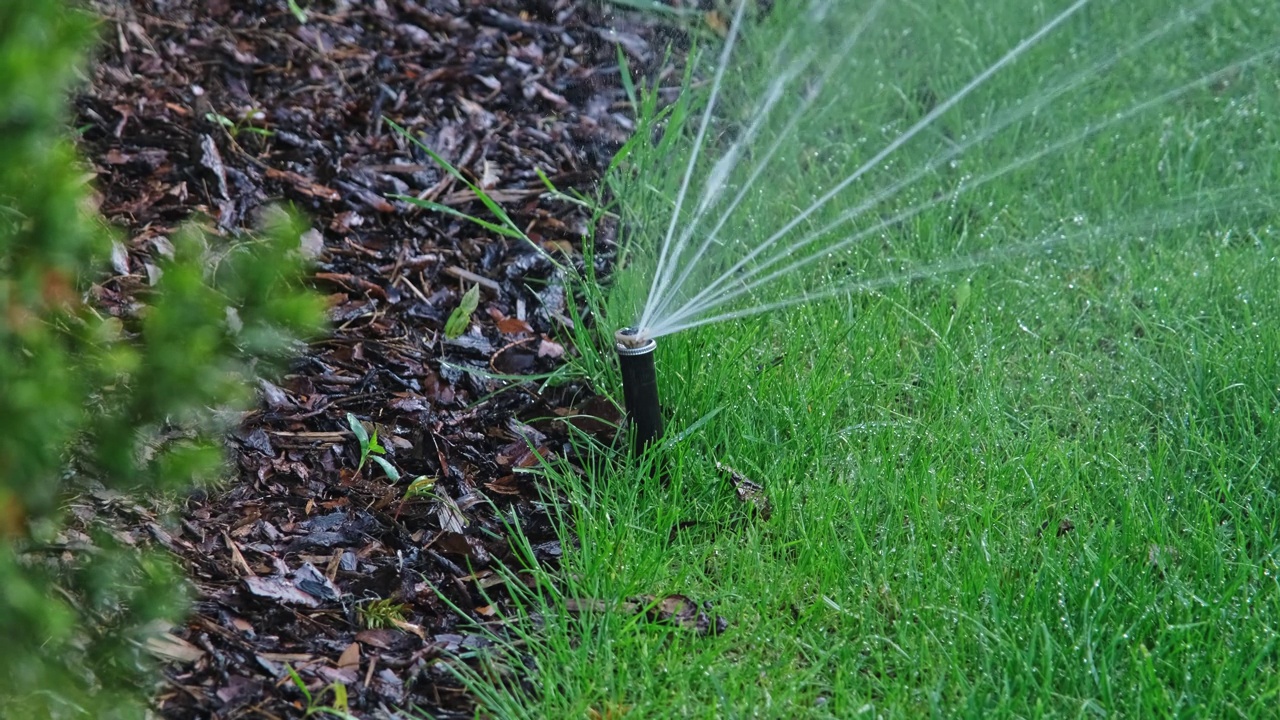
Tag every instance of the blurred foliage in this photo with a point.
(87, 397)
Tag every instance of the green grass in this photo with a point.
(1046, 486)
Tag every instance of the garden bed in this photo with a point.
(219, 110)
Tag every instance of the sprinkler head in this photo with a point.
(639, 385)
(634, 340)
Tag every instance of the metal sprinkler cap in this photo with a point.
(628, 341)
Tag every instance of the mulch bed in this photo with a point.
(220, 108)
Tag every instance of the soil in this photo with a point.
(218, 109)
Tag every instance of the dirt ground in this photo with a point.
(217, 109)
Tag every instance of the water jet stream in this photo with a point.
(1177, 214)
(747, 285)
(850, 43)
(656, 288)
(696, 304)
(973, 84)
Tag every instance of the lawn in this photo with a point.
(1042, 483)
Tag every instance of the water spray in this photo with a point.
(639, 385)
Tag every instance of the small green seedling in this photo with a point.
(220, 119)
(380, 614)
(422, 486)
(297, 11)
(234, 128)
(370, 449)
(460, 318)
(338, 708)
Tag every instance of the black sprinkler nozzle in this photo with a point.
(639, 386)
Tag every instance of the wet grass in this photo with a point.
(1046, 486)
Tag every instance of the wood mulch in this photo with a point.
(221, 108)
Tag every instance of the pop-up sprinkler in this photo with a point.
(639, 385)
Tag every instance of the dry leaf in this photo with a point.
(513, 326)
(610, 711)
(748, 491)
(350, 658)
(409, 627)
(170, 647)
(717, 22)
(311, 244)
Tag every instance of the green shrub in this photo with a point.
(85, 396)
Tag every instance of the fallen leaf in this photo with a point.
(303, 185)
(489, 177)
(674, 609)
(575, 605)
(464, 546)
(350, 657)
(611, 711)
(280, 589)
(683, 611)
(119, 258)
(297, 660)
(312, 244)
(450, 515)
(505, 485)
(345, 676)
(170, 647)
(748, 491)
(306, 586)
(717, 22)
(13, 516)
(380, 638)
(237, 688)
(409, 627)
(513, 326)
(563, 246)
